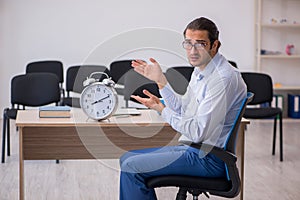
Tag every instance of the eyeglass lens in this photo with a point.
(198, 45)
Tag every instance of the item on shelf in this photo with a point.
(55, 112)
(277, 101)
(273, 21)
(293, 106)
(290, 49)
(277, 85)
(283, 21)
(268, 52)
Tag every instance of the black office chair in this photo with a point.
(118, 70)
(51, 66)
(29, 90)
(262, 86)
(74, 81)
(135, 83)
(179, 78)
(225, 187)
(233, 63)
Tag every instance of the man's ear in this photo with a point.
(215, 44)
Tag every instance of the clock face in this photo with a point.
(98, 101)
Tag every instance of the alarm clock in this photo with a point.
(98, 100)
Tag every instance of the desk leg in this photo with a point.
(241, 156)
(21, 170)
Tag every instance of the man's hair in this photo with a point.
(204, 24)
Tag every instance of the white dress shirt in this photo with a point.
(206, 112)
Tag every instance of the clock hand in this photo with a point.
(100, 100)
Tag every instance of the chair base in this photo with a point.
(182, 193)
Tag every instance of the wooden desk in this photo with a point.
(79, 138)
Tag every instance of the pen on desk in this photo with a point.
(122, 116)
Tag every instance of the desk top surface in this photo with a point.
(27, 118)
(78, 118)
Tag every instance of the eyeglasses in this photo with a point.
(198, 45)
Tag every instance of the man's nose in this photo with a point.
(193, 50)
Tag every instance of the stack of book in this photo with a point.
(55, 112)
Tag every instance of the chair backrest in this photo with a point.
(233, 63)
(118, 70)
(230, 144)
(77, 74)
(51, 66)
(179, 77)
(261, 85)
(35, 89)
(135, 83)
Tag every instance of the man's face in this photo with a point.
(202, 53)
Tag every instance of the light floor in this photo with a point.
(265, 176)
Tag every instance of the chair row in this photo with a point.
(118, 71)
(29, 93)
(258, 83)
(76, 75)
(43, 84)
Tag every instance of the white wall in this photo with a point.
(77, 31)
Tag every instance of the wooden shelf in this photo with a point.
(280, 25)
(280, 56)
(283, 88)
(272, 37)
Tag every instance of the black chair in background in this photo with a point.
(179, 78)
(135, 83)
(51, 66)
(225, 186)
(262, 87)
(233, 63)
(74, 81)
(118, 70)
(29, 90)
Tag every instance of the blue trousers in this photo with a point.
(138, 165)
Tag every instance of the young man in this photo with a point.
(205, 113)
